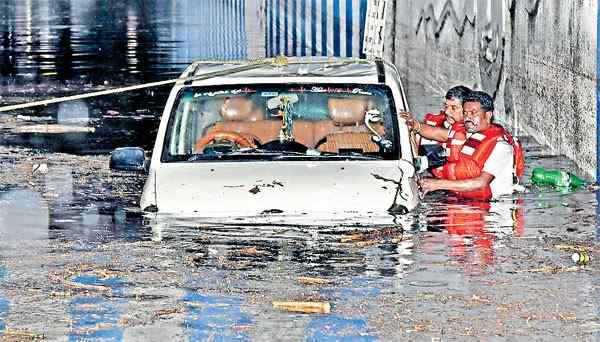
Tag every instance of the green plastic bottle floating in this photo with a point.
(558, 178)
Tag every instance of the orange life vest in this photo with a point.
(435, 120)
(475, 152)
(457, 135)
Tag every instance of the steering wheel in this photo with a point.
(240, 139)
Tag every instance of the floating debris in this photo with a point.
(304, 307)
(313, 281)
(167, 312)
(55, 128)
(581, 258)
(18, 335)
(250, 251)
(550, 269)
(39, 168)
(33, 118)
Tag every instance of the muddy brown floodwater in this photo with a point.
(79, 261)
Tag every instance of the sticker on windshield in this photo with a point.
(269, 94)
(226, 92)
(331, 90)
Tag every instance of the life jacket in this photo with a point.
(457, 136)
(435, 120)
(475, 152)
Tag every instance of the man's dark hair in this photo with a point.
(483, 98)
(458, 93)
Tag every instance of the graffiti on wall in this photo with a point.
(487, 17)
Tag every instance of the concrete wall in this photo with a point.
(537, 57)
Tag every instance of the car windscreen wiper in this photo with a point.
(261, 151)
(261, 154)
(350, 156)
(245, 154)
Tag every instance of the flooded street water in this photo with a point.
(78, 261)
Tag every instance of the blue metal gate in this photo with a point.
(315, 27)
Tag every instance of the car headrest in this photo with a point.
(240, 109)
(347, 111)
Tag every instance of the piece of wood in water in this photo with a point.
(54, 129)
(305, 307)
(249, 251)
(313, 281)
(351, 238)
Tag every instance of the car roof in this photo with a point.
(296, 68)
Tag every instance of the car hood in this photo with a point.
(285, 187)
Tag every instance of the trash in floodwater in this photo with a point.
(54, 129)
(33, 118)
(18, 335)
(558, 178)
(581, 258)
(248, 251)
(39, 168)
(313, 281)
(305, 307)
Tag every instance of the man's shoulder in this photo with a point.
(502, 149)
(501, 155)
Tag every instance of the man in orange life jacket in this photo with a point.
(485, 167)
(438, 129)
(451, 113)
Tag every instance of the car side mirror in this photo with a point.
(128, 159)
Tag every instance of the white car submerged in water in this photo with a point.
(287, 136)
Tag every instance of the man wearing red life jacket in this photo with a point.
(452, 112)
(486, 165)
(438, 128)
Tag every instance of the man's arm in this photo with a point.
(425, 130)
(432, 133)
(471, 184)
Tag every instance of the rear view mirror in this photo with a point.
(128, 159)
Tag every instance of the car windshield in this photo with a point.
(282, 122)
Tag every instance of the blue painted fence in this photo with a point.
(315, 27)
(210, 29)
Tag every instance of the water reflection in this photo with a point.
(4, 304)
(472, 228)
(102, 41)
(215, 318)
(24, 215)
(94, 316)
(319, 251)
(336, 328)
(362, 292)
